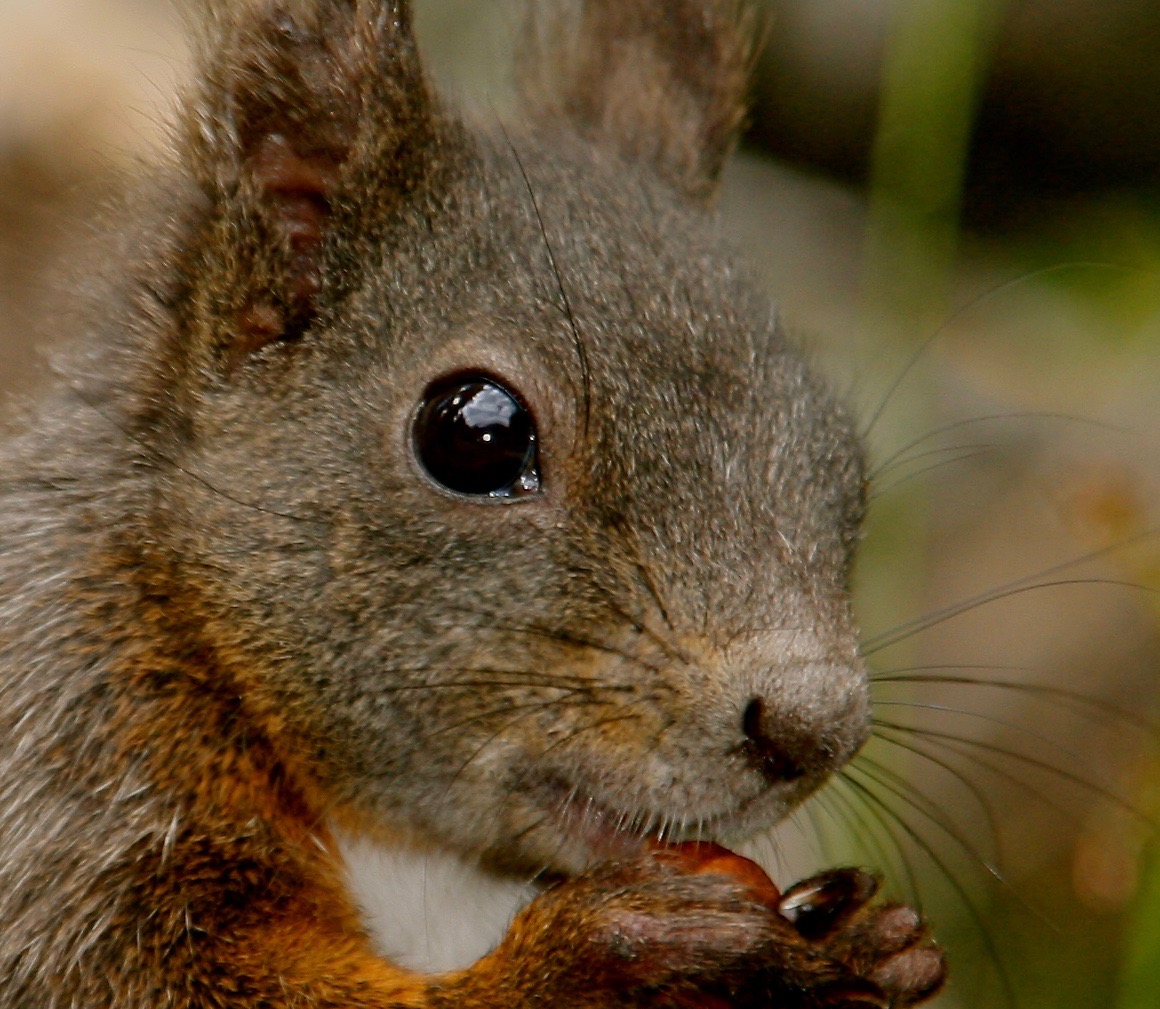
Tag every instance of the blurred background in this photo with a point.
(956, 204)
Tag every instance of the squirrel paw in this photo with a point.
(649, 934)
(885, 944)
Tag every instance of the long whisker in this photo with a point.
(498, 678)
(570, 737)
(823, 802)
(902, 461)
(481, 716)
(546, 868)
(998, 289)
(909, 794)
(954, 425)
(154, 457)
(874, 842)
(528, 711)
(810, 834)
(561, 636)
(964, 456)
(1071, 698)
(641, 626)
(581, 350)
(979, 761)
(960, 891)
(1015, 583)
(975, 791)
(933, 619)
(1022, 758)
(982, 716)
(623, 715)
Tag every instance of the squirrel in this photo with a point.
(440, 483)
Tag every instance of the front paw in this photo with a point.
(888, 957)
(885, 944)
(679, 933)
(648, 934)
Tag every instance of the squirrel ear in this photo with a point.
(311, 115)
(660, 81)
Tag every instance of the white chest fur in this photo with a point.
(429, 912)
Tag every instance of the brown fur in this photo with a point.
(235, 613)
(664, 84)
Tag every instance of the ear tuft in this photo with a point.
(311, 115)
(663, 83)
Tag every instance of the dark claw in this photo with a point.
(819, 906)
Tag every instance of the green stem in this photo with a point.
(934, 72)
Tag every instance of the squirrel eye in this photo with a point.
(476, 437)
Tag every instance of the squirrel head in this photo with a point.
(495, 482)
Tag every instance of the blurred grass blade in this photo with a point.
(934, 73)
(1140, 987)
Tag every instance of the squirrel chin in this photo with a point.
(575, 829)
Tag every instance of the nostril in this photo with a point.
(752, 718)
(778, 753)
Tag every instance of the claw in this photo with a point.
(820, 905)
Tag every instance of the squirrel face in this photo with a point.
(643, 626)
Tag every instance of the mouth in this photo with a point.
(599, 830)
(587, 830)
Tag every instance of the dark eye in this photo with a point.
(476, 437)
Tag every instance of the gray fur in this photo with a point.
(443, 668)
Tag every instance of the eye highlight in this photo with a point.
(475, 436)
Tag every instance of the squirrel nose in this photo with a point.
(780, 748)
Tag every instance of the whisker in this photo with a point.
(1070, 698)
(654, 593)
(822, 846)
(1046, 767)
(570, 737)
(975, 791)
(1013, 779)
(1025, 580)
(873, 839)
(546, 818)
(516, 677)
(481, 716)
(570, 638)
(902, 461)
(670, 723)
(561, 636)
(581, 350)
(624, 715)
(907, 630)
(960, 891)
(965, 456)
(529, 682)
(670, 650)
(877, 675)
(768, 850)
(909, 794)
(528, 712)
(988, 418)
(983, 716)
(982, 299)
(154, 456)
